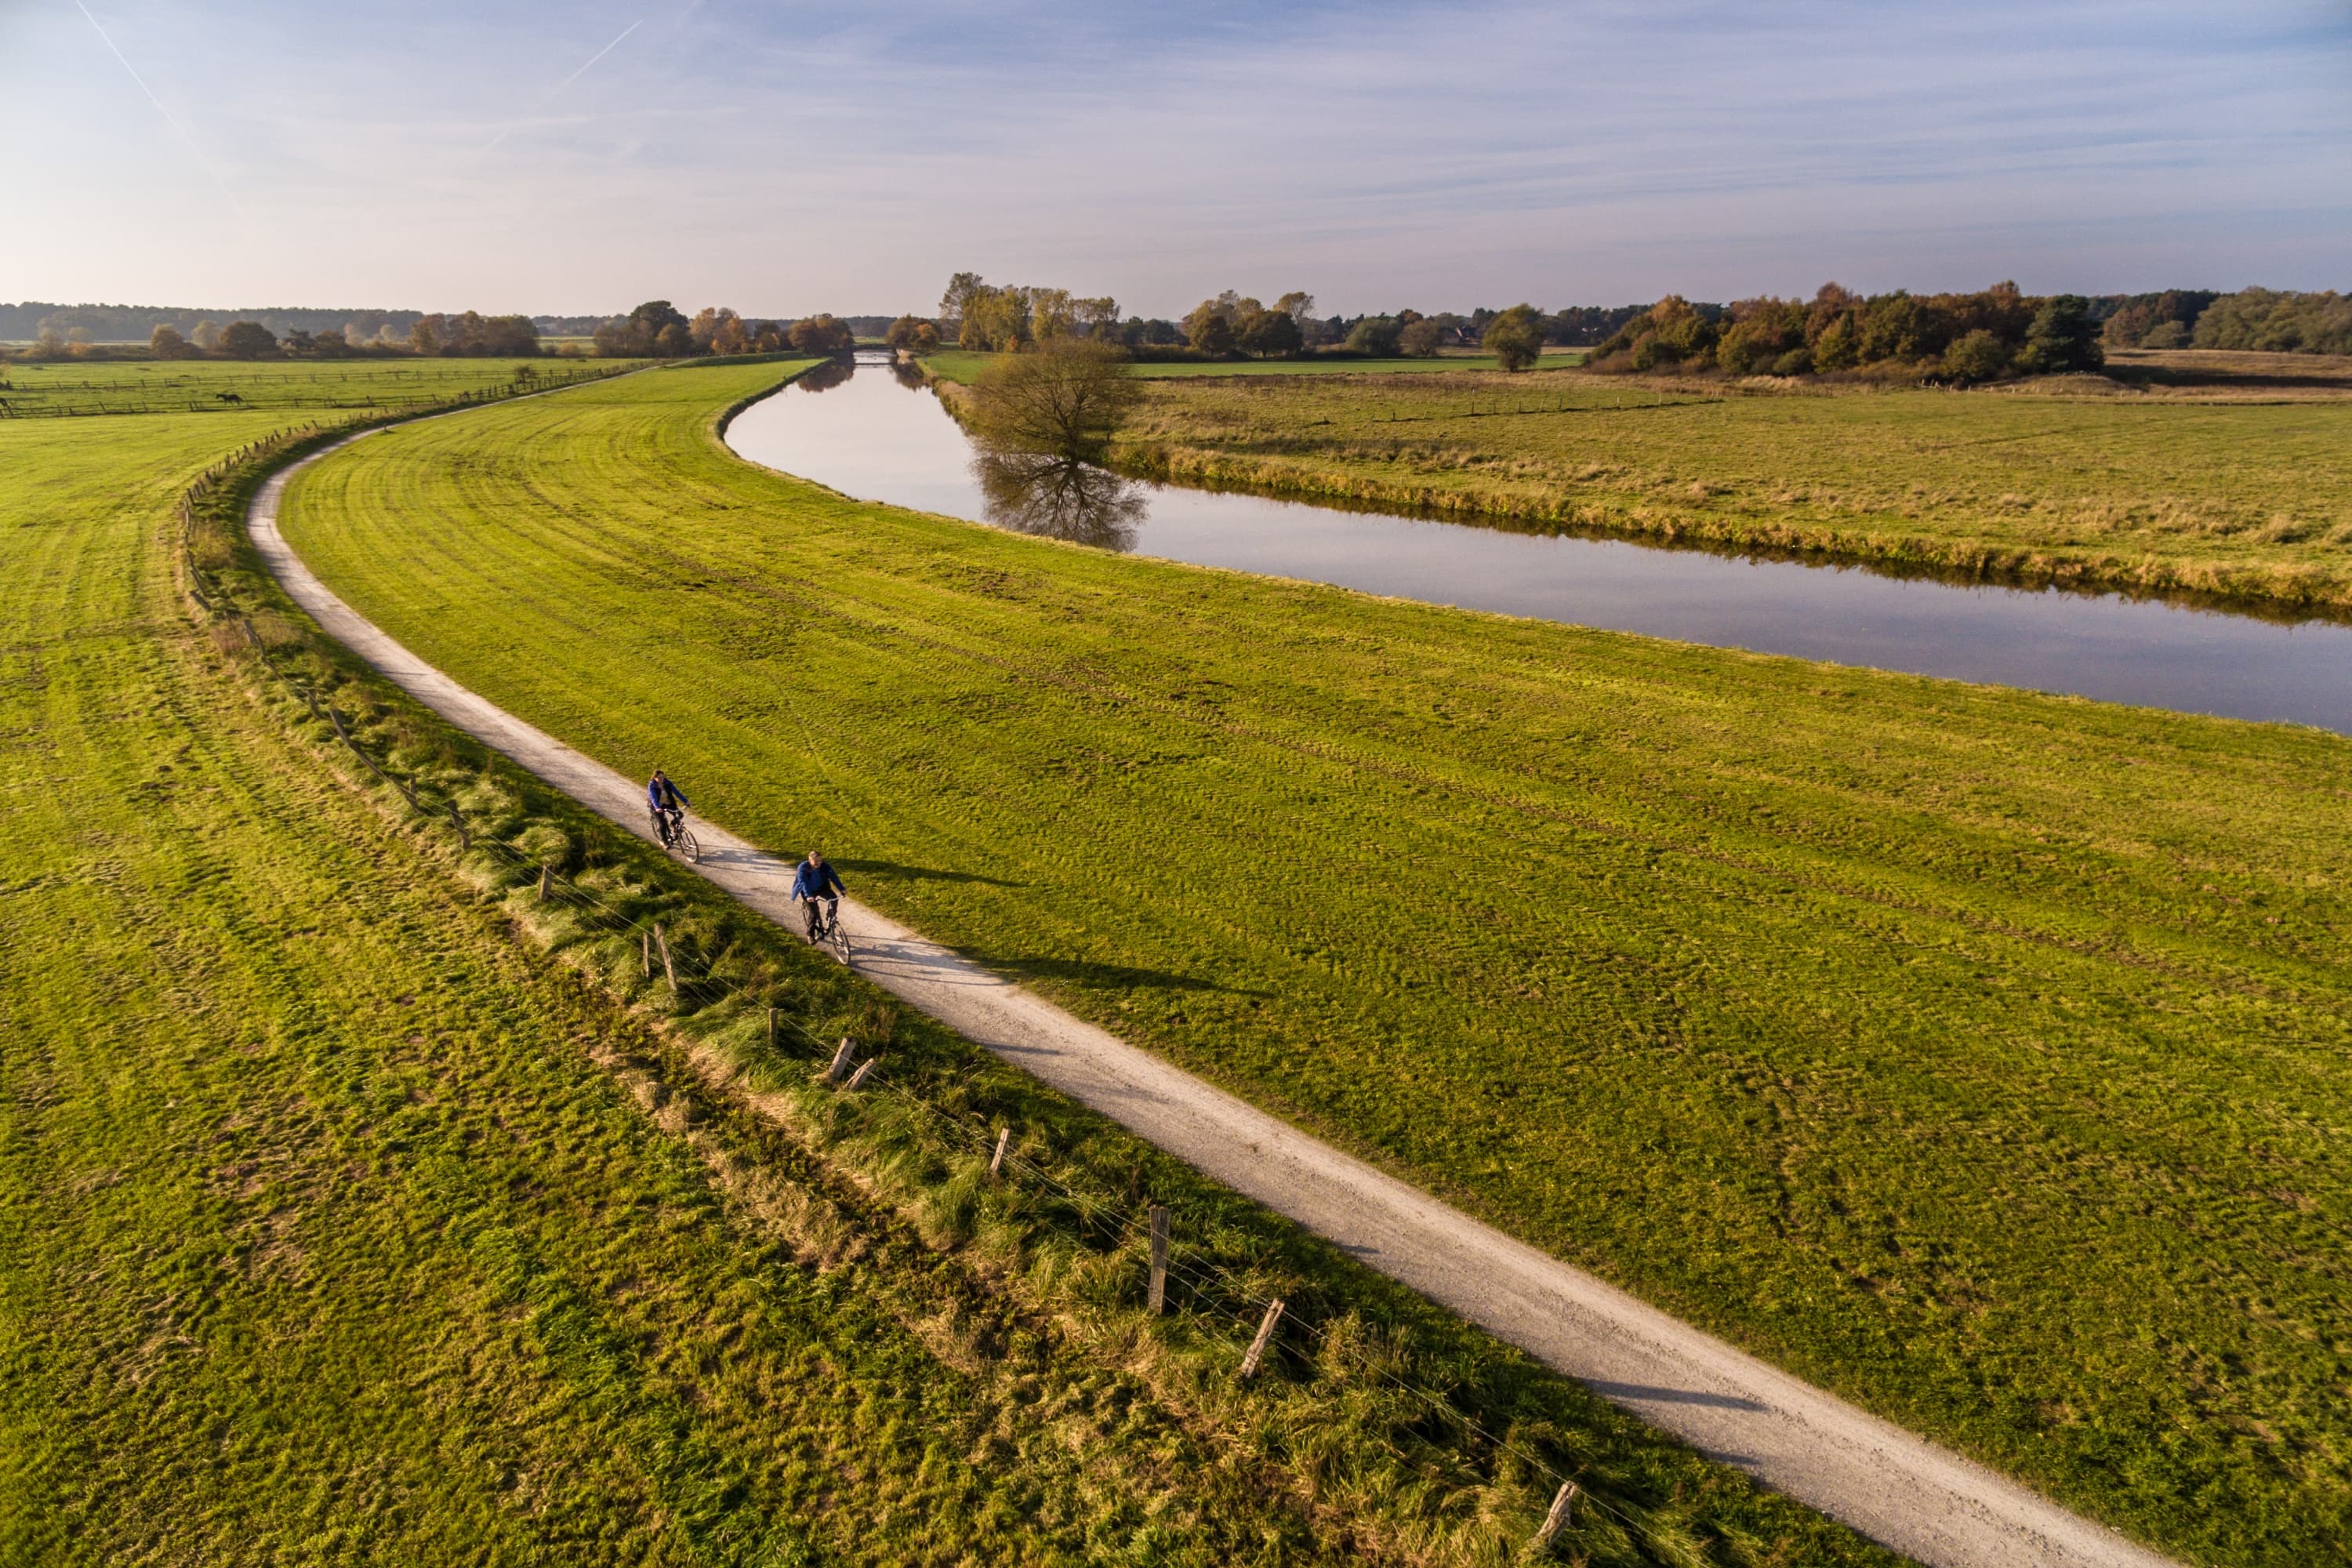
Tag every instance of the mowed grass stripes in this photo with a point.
(1977, 1052)
(331, 1230)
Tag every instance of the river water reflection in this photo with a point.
(879, 435)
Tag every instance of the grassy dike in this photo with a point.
(1975, 1053)
(359, 1205)
(2228, 485)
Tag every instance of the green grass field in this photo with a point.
(360, 1207)
(960, 365)
(2235, 490)
(33, 389)
(1973, 1052)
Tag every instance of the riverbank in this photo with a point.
(1935, 1041)
(864, 437)
(2163, 491)
(2224, 482)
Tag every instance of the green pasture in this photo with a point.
(1973, 1052)
(34, 389)
(960, 365)
(360, 1206)
(2232, 494)
(325, 1237)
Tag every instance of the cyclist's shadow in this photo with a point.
(1115, 977)
(891, 869)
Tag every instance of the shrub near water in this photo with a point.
(1971, 1051)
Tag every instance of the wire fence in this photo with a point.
(1219, 1299)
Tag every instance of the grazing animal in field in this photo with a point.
(230, 397)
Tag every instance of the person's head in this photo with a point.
(657, 773)
(814, 858)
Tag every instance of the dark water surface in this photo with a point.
(875, 435)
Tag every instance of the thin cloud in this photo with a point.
(554, 92)
(168, 118)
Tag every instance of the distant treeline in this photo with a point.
(136, 323)
(976, 314)
(1959, 337)
(658, 330)
(1974, 337)
(1964, 338)
(352, 330)
(653, 330)
(587, 326)
(468, 334)
(2261, 319)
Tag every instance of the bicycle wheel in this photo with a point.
(838, 939)
(684, 843)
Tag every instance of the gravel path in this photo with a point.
(1909, 1494)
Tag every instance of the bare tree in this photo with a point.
(1069, 398)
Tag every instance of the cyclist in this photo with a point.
(668, 804)
(819, 885)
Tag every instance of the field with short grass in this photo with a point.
(1978, 1054)
(356, 1205)
(2225, 485)
(32, 389)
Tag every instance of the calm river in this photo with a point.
(872, 434)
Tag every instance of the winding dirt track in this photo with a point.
(1899, 1489)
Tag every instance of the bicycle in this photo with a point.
(675, 835)
(825, 928)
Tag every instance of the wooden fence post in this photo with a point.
(840, 1060)
(1555, 1520)
(772, 1026)
(645, 951)
(996, 1160)
(864, 1067)
(1264, 1333)
(668, 968)
(542, 881)
(1159, 1259)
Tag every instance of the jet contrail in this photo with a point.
(158, 103)
(560, 86)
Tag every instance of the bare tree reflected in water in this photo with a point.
(1039, 420)
(1059, 498)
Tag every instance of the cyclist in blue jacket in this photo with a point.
(819, 886)
(667, 803)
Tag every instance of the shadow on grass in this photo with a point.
(922, 873)
(1103, 976)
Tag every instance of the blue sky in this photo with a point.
(792, 158)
